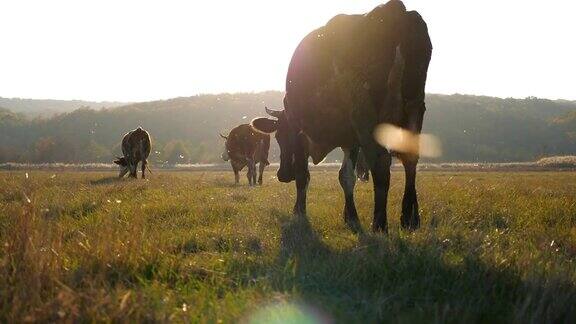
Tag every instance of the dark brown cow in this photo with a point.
(246, 147)
(344, 80)
(136, 146)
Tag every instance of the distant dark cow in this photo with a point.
(345, 79)
(136, 147)
(246, 147)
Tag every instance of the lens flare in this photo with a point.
(401, 140)
(287, 313)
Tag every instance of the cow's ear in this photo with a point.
(265, 125)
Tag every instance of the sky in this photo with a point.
(125, 50)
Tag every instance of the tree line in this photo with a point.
(185, 130)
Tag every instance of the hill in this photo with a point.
(49, 107)
(471, 128)
(487, 129)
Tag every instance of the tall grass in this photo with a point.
(494, 247)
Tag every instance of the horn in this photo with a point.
(224, 137)
(274, 113)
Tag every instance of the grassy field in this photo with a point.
(191, 247)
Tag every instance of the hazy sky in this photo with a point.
(143, 50)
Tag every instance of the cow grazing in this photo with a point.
(246, 147)
(344, 79)
(136, 148)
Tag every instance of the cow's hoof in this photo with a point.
(410, 220)
(379, 229)
(380, 224)
(351, 218)
(354, 225)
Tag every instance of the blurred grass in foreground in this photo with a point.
(190, 246)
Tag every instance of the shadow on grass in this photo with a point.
(105, 181)
(388, 279)
(229, 183)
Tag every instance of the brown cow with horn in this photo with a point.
(246, 147)
(136, 146)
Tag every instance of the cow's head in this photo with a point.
(123, 163)
(286, 138)
(226, 153)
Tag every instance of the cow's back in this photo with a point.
(313, 87)
(244, 142)
(338, 70)
(136, 145)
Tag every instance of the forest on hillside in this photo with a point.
(50, 107)
(185, 130)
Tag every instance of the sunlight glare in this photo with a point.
(401, 140)
(287, 313)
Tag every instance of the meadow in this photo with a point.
(192, 247)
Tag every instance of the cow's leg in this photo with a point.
(364, 118)
(254, 174)
(410, 218)
(347, 177)
(379, 161)
(133, 168)
(123, 171)
(237, 167)
(302, 177)
(136, 170)
(129, 168)
(381, 179)
(144, 162)
(236, 172)
(251, 172)
(261, 167)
